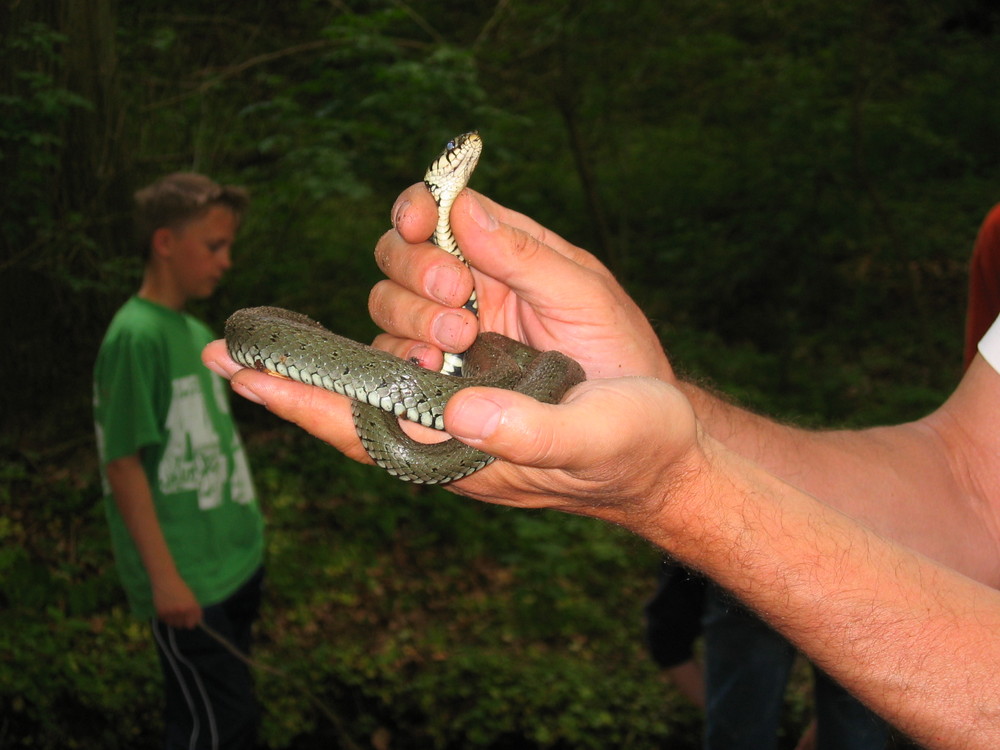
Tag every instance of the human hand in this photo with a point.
(175, 603)
(617, 449)
(316, 410)
(531, 284)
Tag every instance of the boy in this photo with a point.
(185, 524)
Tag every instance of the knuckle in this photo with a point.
(524, 246)
(383, 251)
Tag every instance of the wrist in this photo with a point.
(677, 513)
(164, 578)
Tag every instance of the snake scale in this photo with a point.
(385, 388)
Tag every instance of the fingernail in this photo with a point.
(481, 216)
(444, 284)
(418, 354)
(397, 212)
(475, 418)
(448, 329)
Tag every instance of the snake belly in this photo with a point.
(385, 388)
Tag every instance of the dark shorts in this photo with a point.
(209, 693)
(673, 615)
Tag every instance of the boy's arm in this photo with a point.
(174, 601)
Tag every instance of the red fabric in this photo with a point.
(984, 283)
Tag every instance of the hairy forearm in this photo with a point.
(821, 462)
(898, 480)
(887, 623)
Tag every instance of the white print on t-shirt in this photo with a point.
(192, 458)
(99, 430)
(241, 488)
(221, 397)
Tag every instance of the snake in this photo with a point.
(385, 388)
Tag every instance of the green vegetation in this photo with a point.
(791, 190)
(403, 612)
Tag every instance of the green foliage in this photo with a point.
(71, 657)
(454, 625)
(37, 112)
(390, 609)
(798, 183)
(790, 190)
(73, 682)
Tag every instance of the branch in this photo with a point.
(235, 70)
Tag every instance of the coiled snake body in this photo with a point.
(384, 387)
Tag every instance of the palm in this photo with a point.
(609, 340)
(536, 287)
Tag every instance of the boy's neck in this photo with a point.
(156, 289)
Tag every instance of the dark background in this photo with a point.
(791, 189)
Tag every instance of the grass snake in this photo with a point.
(385, 388)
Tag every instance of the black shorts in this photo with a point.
(673, 615)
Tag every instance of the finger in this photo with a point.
(215, 357)
(424, 268)
(183, 619)
(406, 256)
(321, 413)
(439, 276)
(518, 428)
(526, 259)
(599, 424)
(607, 451)
(406, 314)
(417, 352)
(414, 214)
(488, 216)
(577, 305)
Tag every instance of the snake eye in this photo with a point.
(450, 146)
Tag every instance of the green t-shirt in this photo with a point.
(153, 395)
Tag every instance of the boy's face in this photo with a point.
(198, 254)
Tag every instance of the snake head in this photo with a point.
(459, 141)
(451, 170)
